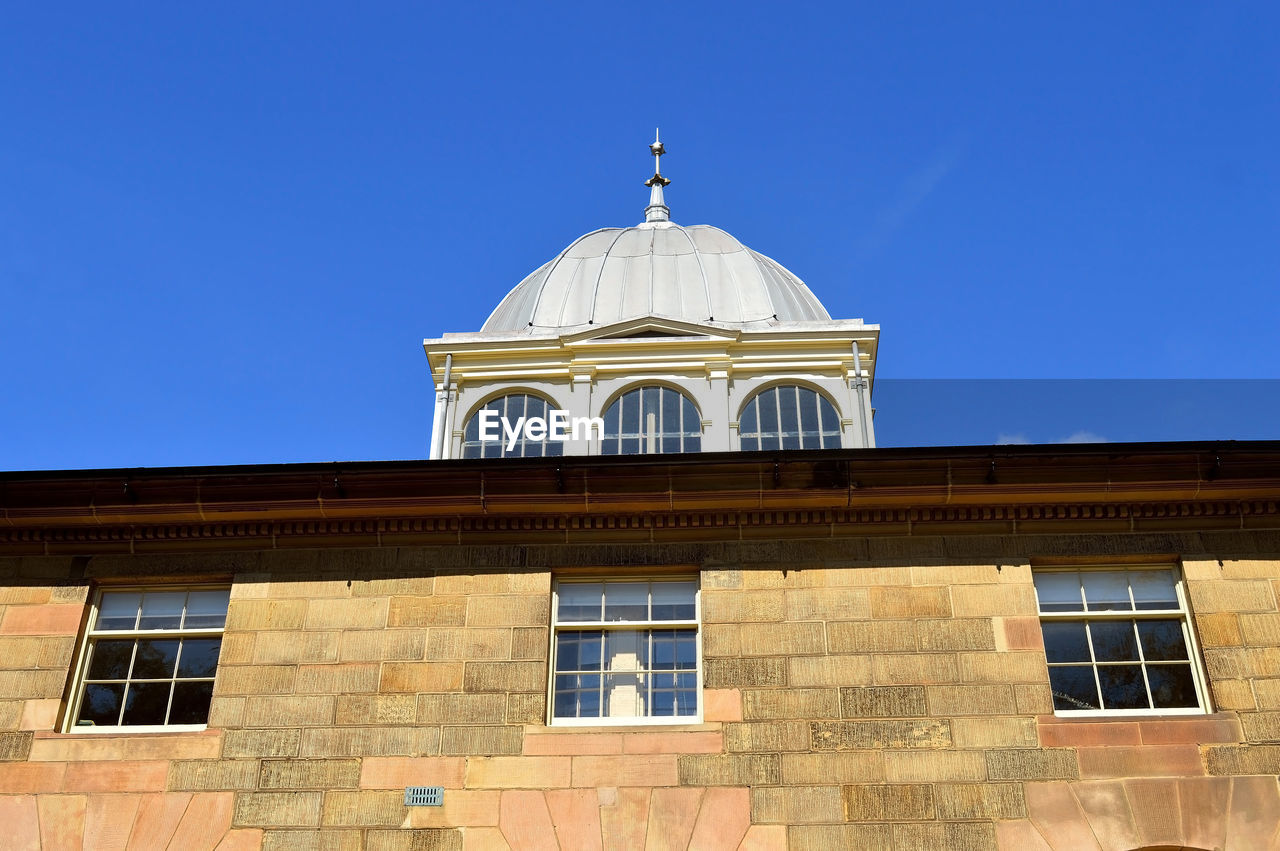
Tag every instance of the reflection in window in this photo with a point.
(151, 658)
(789, 417)
(1117, 640)
(650, 420)
(625, 650)
(512, 408)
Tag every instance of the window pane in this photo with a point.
(579, 601)
(624, 695)
(626, 650)
(577, 696)
(1113, 641)
(155, 659)
(1122, 687)
(630, 413)
(747, 423)
(1065, 641)
(1172, 686)
(1162, 640)
(190, 703)
(118, 610)
(1073, 687)
(1058, 592)
(626, 601)
(101, 705)
(830, 421)
(750, 444)
(674, 649)
(199, 657)
(789, 417)
(769, 412)
(146, 703)
(674, 601)
(1154, 589)
(207, 609)
(1106, 590)
(109, 660)
(578, 651)
(162, 610)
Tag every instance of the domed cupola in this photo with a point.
(658, 268)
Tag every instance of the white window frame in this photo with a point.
(1182, 614)
(92, 635)
(651, 439)
(604, 626)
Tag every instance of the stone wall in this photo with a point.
(900, 701)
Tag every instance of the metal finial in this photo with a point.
(657, 149)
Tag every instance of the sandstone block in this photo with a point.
(347, 613)
(994, 732)
(855, 735)
(953, 836)
(427, 611)
(846, 767)
(461, 709)
(956, 634)
(1241, 595)
(1033, 699)
(418, 839)
(255, 679)
(286, 710)
(394, 586)
(1044, 764)
(530, 642)
(466, 582)
(824, 837)
(721, 704)
(1143, 761)
(744, 673)
(742, 606)
(828, 604)
(39, 714)
(480, 740)
(212, 775)
(309, 774)
(503, 677)
(921, 602)
(377, 709)
(277, 809)
(463, 643)
(888, 801)
(15, 747)
(152, 746)
(123, 776)
(19, 595)
(250, 743)
(266, 615)
(572, 744)
(1268, 694)
(796, 804)
(333, 587)
(871, 636)
(527, 708)
(1242, 759)
(625, 770)
(772, 639)
(364, 808)
(312, 840)
(1019, 633)
(509, 610)
(840, 670)
(281, 648)
(518, 772)
(343, 678)
(1220, 629)
(767, 736)
(461, 808)
(993, 600)
(1024, 666)
(672, 742)
(724, 580)
(389, 645)
(48, 619)
(369, 741)
(933, 766)
(882, 702)
(28, 778)
(948, 700)
(25, 685)
(773, 704)
(736, 769)
(915, 668)
(396, 772)
(980, 800)
(1190, 729)
(421, 676)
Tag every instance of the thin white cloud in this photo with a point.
(1084, 437)
(1006, 439)
(911, 194)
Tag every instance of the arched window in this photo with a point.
(789, 417)
(509, 408)
(650, 420)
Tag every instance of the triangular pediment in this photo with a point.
(650, 327)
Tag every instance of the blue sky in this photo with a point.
(225, 229)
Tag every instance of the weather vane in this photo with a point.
(657, 150)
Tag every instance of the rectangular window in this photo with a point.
(625, 651)
(1118, 640)
(149, 659)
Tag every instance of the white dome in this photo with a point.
(697, 274)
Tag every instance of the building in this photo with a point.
(805, 645)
